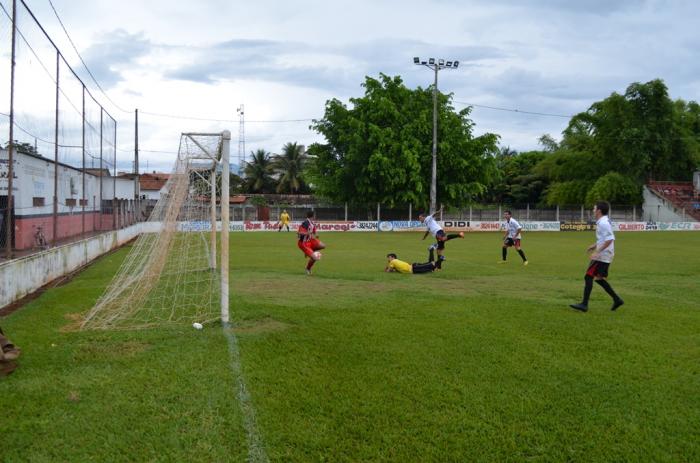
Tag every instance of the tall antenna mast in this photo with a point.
(241, 139)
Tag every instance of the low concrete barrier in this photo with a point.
(23, 276)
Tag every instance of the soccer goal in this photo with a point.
(176, 271)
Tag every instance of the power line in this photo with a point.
(520, 111)
(208, 119)
(83, 62)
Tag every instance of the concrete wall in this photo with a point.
(657, 209)
(23, 276)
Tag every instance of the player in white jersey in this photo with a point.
(436, 230)
(603, 251)
(512, 237)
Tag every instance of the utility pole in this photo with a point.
(436, 66)
(241, 139)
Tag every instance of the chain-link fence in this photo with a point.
(58, 145)
(269, 208)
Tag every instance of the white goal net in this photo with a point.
(177, 270)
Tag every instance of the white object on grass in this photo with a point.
(197, 326)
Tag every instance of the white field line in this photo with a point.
(256, 448)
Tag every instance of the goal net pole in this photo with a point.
(212, 241)
(225, 155)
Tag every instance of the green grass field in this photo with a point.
(481, 362)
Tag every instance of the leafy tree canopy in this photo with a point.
(379, 149)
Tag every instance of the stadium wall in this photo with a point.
(23, 276)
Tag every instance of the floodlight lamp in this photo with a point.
(416, 60)
(441, 62)
(449, 64)
(456, 64)
(431, 61)
(424, 62)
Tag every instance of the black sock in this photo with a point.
(452, 236)
(522, 254)
(587, 288)
(608, 289)
(505, 253)
(431, 255)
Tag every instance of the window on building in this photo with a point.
(70, 202)
(84, 202)
(37, 202)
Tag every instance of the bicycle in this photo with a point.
(39, 239)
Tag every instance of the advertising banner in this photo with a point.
(635, 226)
(467, 226)
(255, 226)
(401, 225)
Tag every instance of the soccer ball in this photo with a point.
(317, 255)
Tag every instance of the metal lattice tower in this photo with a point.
(241, 139)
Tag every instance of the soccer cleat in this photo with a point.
(617, 304)
(6, 368)
(442, 258)
(525, 262)
(11, 352)
(579, 307)
(308, 271)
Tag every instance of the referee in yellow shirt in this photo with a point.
(396, 265)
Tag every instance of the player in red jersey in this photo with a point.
(309, 242)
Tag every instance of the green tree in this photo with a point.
(289, 166)
(258, 173)
(379, 149)
(615, 188)
(24, 148)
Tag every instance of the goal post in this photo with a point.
(225, 177)
(176, 272)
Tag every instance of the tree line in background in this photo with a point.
(378, 149)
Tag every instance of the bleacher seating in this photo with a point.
(681, 194)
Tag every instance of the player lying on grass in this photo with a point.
(440, 237)
(512, 237)
(396, 265)
(309, 242)
(603, 252)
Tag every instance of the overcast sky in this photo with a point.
(283, 60)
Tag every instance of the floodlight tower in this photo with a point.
(241, 139)
(436, 65)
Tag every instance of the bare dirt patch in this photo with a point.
(75, 319)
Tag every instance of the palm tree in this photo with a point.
(258, 173)
(289, 166)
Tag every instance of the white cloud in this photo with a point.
(283, 60)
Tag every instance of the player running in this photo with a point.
(603, 252)
(284, 221)
(309, 242)
(440, 237)
(396, 265)
(512, 237)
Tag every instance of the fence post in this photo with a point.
(634, 213)
(378, 214)
(55, 162)
(441, 206)
(582, 218)
(346, 211)
(557, 212)
(410, 212)
(500, 213)
(470, 214)
(528, 212)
